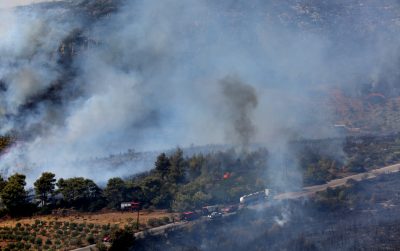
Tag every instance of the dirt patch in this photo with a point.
(104, 218)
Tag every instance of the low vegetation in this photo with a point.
(53, 235)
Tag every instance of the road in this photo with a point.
(307, 191)
(161, 229)
(152, 231)
(87, 248)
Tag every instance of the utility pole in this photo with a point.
(136, 205)
(137, 219)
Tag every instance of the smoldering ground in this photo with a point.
(150, 78)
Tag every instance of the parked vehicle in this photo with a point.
(189, 216)
(209, 209)
(254, 197)
(130, 206)
(215, 215)
(230, 209)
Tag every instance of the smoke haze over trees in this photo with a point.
(82, 79)
(180, 104)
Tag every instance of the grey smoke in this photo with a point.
(240, 101)
(151, 78)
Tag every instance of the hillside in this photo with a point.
(169, 106)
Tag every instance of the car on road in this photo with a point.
(189, 216)
(230, 209)
(215, 215)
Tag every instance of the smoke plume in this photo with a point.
(240, 101)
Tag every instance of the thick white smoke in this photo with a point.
(21, 38)
(148, 77)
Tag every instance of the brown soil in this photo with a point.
(120, 218)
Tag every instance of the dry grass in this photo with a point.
(103, 218)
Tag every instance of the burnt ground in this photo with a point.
(360, 216)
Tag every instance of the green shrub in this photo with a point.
(19, 245)
(154, 222)
(11, 245)
(105, 232)
(101, 247)
(90, 239)
(39, 241)
(122, 240)
(166, 219)
(74, 241)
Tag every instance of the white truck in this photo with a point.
(254, 197)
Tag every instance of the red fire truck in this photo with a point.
(130, 206)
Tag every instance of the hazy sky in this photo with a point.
(13, 3)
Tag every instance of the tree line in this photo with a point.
(79, 193)
(176, 183)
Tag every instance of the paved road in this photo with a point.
(161, 229)
(307, 191)
(87, 248)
